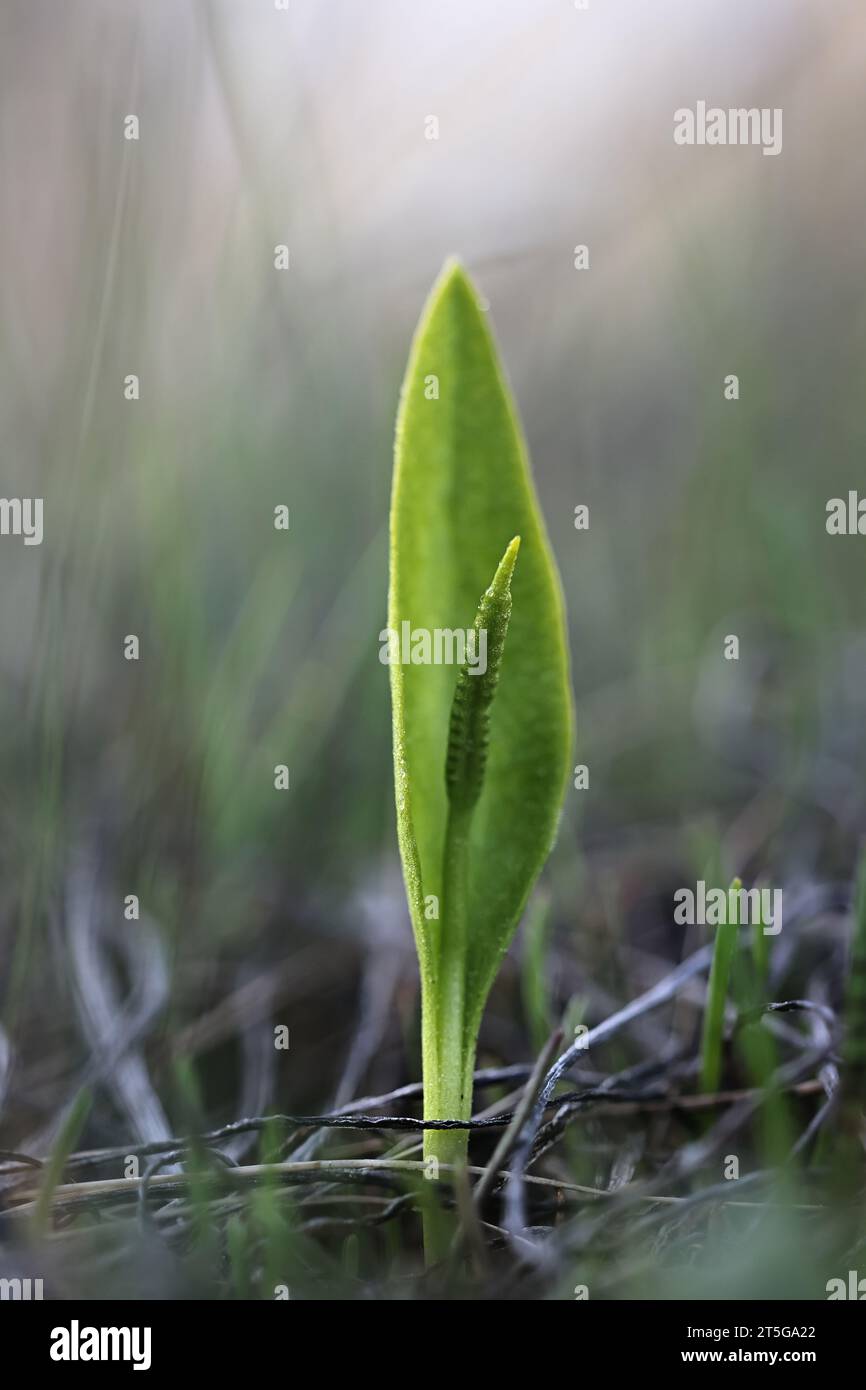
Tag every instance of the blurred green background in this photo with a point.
(261, 387)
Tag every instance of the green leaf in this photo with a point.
(462, 490)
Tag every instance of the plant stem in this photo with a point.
(452, 958)
(449, 1033)
(448, 1057)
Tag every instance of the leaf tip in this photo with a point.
(455, 281)
(452, 270)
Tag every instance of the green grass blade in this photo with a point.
(724, 951)
(70, 1133)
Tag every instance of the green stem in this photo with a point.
(448, 1040)
(453, 956)
(448, 1058)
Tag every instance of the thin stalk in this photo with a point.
(448, 1043)
(452, 964)
(448, 1075)
(724, 951)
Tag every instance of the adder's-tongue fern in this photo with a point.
(474, 829)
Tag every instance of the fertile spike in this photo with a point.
(469, 731)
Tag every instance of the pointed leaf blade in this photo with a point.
(462, 490)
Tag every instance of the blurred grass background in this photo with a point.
(261, 387)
